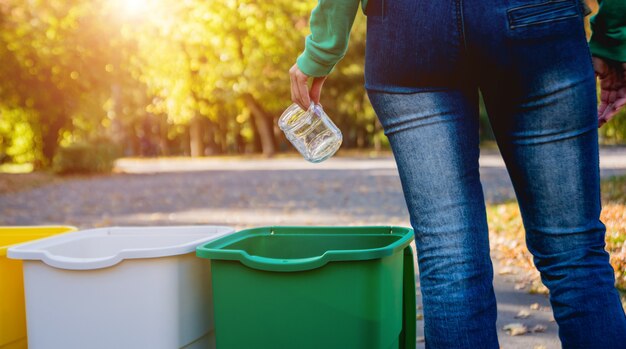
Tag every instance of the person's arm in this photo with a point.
(608, 39)
(608, 47)
(331, 22)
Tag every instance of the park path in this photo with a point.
(254, 192)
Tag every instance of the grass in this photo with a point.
(507, 233)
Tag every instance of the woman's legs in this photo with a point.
(551, 153)
(532, 63)
(434, 137)
(417, 83)
(539, 89)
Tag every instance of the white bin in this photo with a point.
(119, 288)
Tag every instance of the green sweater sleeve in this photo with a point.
(608, 39)
(331, 22)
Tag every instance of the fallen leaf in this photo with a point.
(520, 286)
(515, 329)
(538, 288)
(421, 339)
(539, 346)
(522, 314)
(419, 316)
(539, 328)
(534, 306)
(506, 271)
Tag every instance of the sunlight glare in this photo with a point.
(135, 7)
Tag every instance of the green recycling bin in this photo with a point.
(313, 287)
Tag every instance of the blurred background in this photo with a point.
(146, 78)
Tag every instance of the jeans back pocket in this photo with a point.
(546, 12)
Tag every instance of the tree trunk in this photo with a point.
(209, 130)
(256, 139)
(222, 130)
(360, 137)
(240, 143)
(263, 124)
(377, 142)
(185, 143)
(118, 132)
(134, 143)
(50, 138)
(164, 144)
(196, 141)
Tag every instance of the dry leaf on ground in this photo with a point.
(506, 271)
(515, 329)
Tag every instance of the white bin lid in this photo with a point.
(105, 247)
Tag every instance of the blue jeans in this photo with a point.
(425, 62)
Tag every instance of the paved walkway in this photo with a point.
(245, 193)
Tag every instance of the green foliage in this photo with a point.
(144, 72)
(86, 157)
(18, 142)
(170, 77)
(614, 132)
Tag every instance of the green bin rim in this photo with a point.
(215, 249)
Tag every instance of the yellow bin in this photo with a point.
(12, 312)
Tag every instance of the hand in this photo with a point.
(299, 90)
(612, 76)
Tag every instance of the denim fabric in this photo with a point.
(425, 62)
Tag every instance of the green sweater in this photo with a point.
(609, 30)
(331, 22)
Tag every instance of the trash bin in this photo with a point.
(122, 288)
(313, 287)
(12, 313)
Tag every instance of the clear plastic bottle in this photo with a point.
(311, 132)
